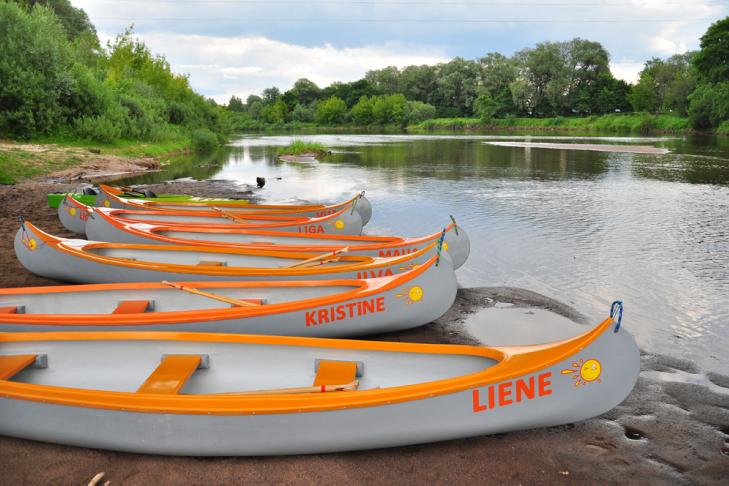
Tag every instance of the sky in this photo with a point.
(240, 47)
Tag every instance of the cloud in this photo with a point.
(225, 66)
(627, 70)
(240, 47)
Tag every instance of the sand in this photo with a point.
(628, 149)
(673, 428)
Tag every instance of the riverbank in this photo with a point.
(673, 428)
(65, 161)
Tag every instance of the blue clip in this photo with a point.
(617, 308)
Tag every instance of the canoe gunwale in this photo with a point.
(362, 288)
(264, 208)
(512, 362)
(360, 263)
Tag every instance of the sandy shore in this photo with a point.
(674, 427)
(594, 147)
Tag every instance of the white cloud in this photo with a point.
(626, 70)
(225, 66)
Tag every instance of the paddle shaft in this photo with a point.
(210, 295)
(323, 256)
(304, 389)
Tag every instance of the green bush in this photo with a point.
(203, 140)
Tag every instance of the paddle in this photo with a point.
(231, 216)
(317, 258)
(304, 389)
(210, 295)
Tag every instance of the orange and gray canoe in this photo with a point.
(111, 197)
(209, 394)
(105, 227)
(74, 215)
(325, 308)
(83, 261)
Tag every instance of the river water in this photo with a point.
(582, 227)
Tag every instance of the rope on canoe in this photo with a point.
(455, 225)
(617, 309)
(27, 241)
(354, 204)
(440, 246)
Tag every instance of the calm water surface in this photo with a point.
(583, 227)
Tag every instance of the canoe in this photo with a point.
(89, 198)
(75, 215)
(105, 227)
(205, 394)
(109, 197)
(83, 261)
(327, 308)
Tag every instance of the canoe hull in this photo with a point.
(74, 217)
(386, 311)
(50, 262)
(444, 417)
(103, 228)
(363, 207)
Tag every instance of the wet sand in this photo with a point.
(594, 147)
(673, 428)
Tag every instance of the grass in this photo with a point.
(298, 147)
(628, 122)
(17, 164)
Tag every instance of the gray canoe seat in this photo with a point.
(133, 307)
(172, 373)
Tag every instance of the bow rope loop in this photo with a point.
(617, 309)
(440, 246)
(455, 225)
(357, 198)
(24, 238)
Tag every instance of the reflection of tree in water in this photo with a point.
(457, 159)
(197, 165)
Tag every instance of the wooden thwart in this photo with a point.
(210, 295)
(9, 310)
(171, 374)
(231, 216)
(324, 258)
(12, 365)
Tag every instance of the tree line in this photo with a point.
(551, 79)
(57, 80)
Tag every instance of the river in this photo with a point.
(583, 227)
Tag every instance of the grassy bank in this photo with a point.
(20, 161)
(633, 122)
(300, 147)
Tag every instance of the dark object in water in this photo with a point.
(261, 181)
(90, 191)
(148, 193)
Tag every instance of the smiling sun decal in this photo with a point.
(413, 295)
(584, 372)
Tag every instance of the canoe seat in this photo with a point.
(172, 373)
(337, 372)
(212, 263)
(12, 365)
(13, 309)
(133, 307)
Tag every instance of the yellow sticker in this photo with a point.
(445, 246)
(585, 371)
(416, 293)
(32, 244)
(106, 203)
(72, 211)
(339, 224)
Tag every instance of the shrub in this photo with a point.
(203, 140)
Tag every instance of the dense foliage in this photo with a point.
(56, 80)
(559, 80)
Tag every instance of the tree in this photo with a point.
(274, 112)
(361, 112)
(485, 106)
(417, 112)
(331, 111)
(303, 113)
(304, 91)
(709, 105)
(75, 21)
(270, 95)
(643, 96)
(712, 60)
(384, 81)
(236, 104)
